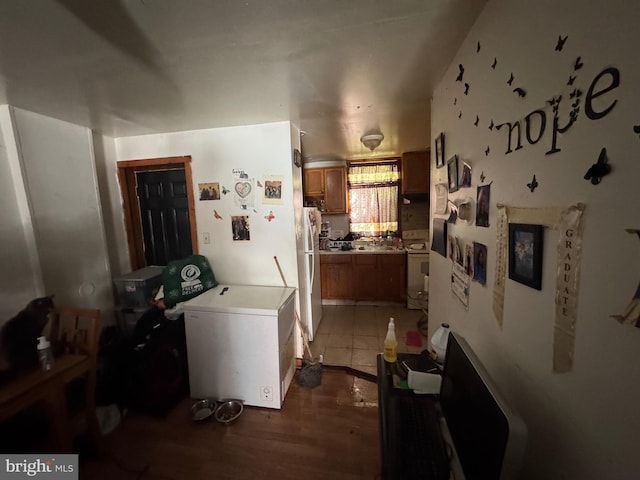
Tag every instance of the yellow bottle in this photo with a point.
(390, 343)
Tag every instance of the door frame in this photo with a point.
(127, 170)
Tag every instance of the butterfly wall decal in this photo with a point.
(491, 125)
(270, 217)
(486, 152)
(482, 177)
(225, 190)
(598, 169)
(561, 42)
(533, 185)
(495, 62)
(478, 47)
(572, 79)
(466, 89)
(520, 91)
(477, 121)
(460, 74)
(258, 183)
(217, 215)
(578, 64)
(636, 129)
(511, 78)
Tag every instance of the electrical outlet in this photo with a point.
(266, 394)
(206, 238)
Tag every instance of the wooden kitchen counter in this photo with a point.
(363, 275)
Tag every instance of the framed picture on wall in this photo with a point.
(440, 150)
(525, 254)
(452, 171)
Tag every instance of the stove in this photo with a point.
(416, 243)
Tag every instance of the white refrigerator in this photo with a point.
(309, 272)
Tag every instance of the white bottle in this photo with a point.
(390, 343)
(45, 355)
(439, 342)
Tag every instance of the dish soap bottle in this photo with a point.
(390, 343)
(45, 354)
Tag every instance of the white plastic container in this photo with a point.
(45, 355)
(439, 342)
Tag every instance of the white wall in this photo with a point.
(582, 424)
(259, 150)
(19, 282)
(60, 183)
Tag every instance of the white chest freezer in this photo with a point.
(240, 343)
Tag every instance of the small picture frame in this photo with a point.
(440, 150)
(525, 254)
(297, 158)
(452, 171)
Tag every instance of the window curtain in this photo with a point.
(373, 191)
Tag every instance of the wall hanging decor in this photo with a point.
(270, 217)
(216, 215)
(209, 191)
(225, 190)
(465, 179)
(480, 263)
(460, 284)
(297, 158)
(525, 254)
(568, 222)
(442, 193)
(482, 205)
(631, 314)
(240, 227)
(468, 259)
(273, 190)
(598, 169)
(561, 42)
(440, 150)
(533, 185)
(460, 73)
(452, 173)
(439, 239)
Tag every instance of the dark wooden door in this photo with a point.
(164, 212)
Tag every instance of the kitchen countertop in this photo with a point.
(370, 251)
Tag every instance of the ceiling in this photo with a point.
(336, 68)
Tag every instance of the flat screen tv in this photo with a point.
(488, 436)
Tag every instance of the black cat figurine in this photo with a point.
(19, 337)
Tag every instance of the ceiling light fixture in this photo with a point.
(372, 140)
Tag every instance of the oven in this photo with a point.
(417, 246)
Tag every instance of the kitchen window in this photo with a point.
(373, 193)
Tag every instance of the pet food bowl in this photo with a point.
(203, 409)
(228, 411)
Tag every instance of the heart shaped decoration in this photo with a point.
(243, 189)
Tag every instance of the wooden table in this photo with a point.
(50, 388)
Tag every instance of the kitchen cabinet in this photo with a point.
(328, 185)
(336, 277)
(364, 276)
(415, 172)
(391, 277)
(379, 277)
(313, 182)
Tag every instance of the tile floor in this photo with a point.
(352, 335)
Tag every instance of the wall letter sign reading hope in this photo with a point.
(606, 81)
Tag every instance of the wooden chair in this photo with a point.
(76, 331)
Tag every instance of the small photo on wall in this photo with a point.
(468, 259)
(452, 172)
(480, 263)
(209, 191)
(273, 190)
(465, 180)
(240, 227)
(482, 205)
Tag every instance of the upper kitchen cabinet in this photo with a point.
(415, 172)
(326, 188)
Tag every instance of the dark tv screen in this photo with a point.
(478, 424)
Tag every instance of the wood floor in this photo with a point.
(328, 432)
